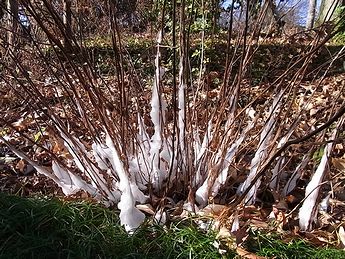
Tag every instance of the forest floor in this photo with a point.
(42, 227)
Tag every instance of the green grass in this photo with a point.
(269, 245)
(49, 228)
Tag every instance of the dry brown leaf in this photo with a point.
(241, 235)
(324, 218)
(339, 146)
(223, 233)
(251, 212)
(313, 111)
(60, 150)
(259, 223)
(213, 210)
(319, 237)
(247, 255)
(291, 199)
(20, 166)
(22, 123)
(146, 208)
(57, 148)
(281, 205)
(339, 163)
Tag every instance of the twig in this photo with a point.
(340, 113)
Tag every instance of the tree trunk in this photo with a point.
(215, 15)
(12, 23)
(274, 14)
(327, 10)
(311, 14)
(67, 21)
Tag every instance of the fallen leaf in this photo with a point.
(247, 255)
(319, 237)
(281, 205)
(223, 233)
(339, 163)
(241, 235)
(281, 221)
(20, 166)
(213, 210)
(22, 124)
(147, 208)
(339, 146)
(259, 223)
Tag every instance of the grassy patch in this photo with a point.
(40, 228)
(49, 228)
(271, 246)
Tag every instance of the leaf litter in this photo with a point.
(269, 211)
(17, 177)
